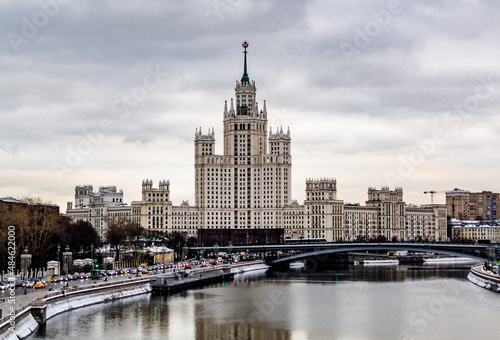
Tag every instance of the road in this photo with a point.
(25, 296)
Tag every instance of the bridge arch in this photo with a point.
(346, 249)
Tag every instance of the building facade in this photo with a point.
(466, 205)
(484, 205)
(98, 207)
(248, 185)
(458, 204)
(248, 188)
(475, 231)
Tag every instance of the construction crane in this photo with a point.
(432, 192)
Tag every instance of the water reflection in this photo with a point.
(373, 273)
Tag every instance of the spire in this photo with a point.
(245, 79)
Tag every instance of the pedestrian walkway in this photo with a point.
(32, 294)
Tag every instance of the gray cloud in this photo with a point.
(351, 117)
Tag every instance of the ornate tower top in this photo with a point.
(245, 79)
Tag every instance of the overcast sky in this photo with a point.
(376, 93)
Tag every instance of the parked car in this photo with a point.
(55, 279)
(27, 283)
(42, 279)
(39, 284)
(4, 285)
(65, 278)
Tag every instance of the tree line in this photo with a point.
(40, 228)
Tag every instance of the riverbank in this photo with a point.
(43, 304)
(295, 305)
(245, 267)
(429, 259)
(27, 318)
(484, 278)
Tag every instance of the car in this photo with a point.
(55, 279)
(4, 285)
(27, 283)
(65, 278)
(42, 279)
(39, 284)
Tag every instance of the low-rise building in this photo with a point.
(475, 231)
(98, 207)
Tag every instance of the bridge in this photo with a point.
(283, 254)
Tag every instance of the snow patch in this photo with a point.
(249, 268)
(22, 329)
(91, 299)
(479, 281)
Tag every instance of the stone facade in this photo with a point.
(466, 205)
(249, 186)
(97, 207)
(475, 231)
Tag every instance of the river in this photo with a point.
(355, 302)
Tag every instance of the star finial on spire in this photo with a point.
(245, 79)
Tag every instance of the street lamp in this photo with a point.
(105, 260)
(58, 260)
(92, 255)
(26, 265)
(67, 264)
(67, 260)
(117, 256)
(137, 252)
(164, 263)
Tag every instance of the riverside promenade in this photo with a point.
(36, 306)
(482, 277)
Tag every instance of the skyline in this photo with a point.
(108, 93)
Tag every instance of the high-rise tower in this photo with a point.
(246, 186)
